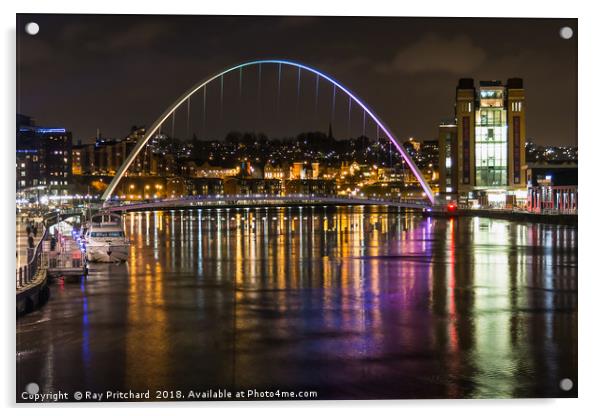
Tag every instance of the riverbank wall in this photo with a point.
(518, 216)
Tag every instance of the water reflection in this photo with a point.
(354, 302)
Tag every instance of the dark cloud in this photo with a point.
(33, 52)
(435, 53)
(296, 22)
(138, 36)
(89, 71)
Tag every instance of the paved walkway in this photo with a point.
(21, 243)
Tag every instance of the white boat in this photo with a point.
(105, 239)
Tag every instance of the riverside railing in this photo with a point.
(25, 274)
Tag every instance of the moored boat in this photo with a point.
(105, 239)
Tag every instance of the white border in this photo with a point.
(590, 97)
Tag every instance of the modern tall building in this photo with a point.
(43, 158)
(484, 148)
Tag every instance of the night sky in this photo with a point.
(85, 72)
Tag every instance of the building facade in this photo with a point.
(106, 156)
(552, 188)
(485, 145)
(43, 159)
(448, 148)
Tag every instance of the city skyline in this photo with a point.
(407, 64)
(307, 208)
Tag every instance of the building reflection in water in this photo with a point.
(332, 296)
(354, 302)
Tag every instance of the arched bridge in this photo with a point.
(184, 98)
(228, 201)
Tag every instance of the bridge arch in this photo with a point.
(182, 99)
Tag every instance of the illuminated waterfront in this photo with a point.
(351, 302)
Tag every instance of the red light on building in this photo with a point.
(452, 207)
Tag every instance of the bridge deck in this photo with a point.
(261, 200)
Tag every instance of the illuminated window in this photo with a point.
(491, 147)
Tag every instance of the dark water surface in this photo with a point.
(354, 303)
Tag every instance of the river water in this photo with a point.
(347, 302)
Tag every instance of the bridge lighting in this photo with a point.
(186, 96)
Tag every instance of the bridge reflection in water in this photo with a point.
(352, 302)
